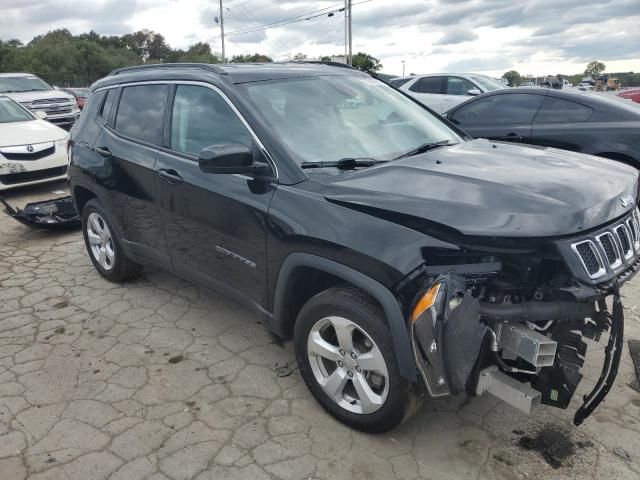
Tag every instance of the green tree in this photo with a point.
(366, 63)
(595, 68)
(513, 77)
(255, 58)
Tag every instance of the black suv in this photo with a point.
(403, 258)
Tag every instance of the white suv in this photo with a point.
(38, 96)
(443, 91)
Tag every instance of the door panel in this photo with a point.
(216, 227)
(128, 176)
(128, 150)
(215, 224)
(428, 91)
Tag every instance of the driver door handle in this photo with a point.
(170, 176)
(105, 152)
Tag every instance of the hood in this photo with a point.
(39, 95)
(484, 188)
(33, 131)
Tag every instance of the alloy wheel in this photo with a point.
(348, 365)
(100, 241)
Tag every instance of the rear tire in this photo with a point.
(103, 246)
(346, 357)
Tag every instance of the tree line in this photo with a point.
(593, 70)
(64, 59)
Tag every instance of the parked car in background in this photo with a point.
(527, 83)
(441, 91)
(403, 259)
(580, 122)
(38, 96)
(80, 94)
(585, 86)
(32, 150)
(631, 94)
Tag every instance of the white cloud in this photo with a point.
(429, 35)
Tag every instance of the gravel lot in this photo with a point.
(160, 379)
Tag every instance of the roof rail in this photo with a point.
(151, 66)
(331, 64)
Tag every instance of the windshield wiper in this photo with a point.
(344, 163)
(425, 147)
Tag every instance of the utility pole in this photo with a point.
(350, 61)
(222, 30)
(403, 68)
(346, 35)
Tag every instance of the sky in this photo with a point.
(487, 36)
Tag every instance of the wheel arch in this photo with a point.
(81, 196)
(325, 273)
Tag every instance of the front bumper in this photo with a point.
(20, 173)
(453, 346)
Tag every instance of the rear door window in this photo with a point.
(427, 85)
(558, 110)
(518, 108)
(140, 113)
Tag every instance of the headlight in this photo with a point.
(62, 145)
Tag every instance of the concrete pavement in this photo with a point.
(160, 379)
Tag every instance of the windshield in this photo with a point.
(328, 118)
(488, 83)
(22, 84)
(10, 111)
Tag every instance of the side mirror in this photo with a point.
(230, 158)
(473, 92)
(40, 115)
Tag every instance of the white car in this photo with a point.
(443, 91)
(38, 96)
(32, 150)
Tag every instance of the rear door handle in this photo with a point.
(170, 176)
(105, 152)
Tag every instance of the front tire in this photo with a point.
(103, 245)
(345, 355)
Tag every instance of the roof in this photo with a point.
(230, 72)
(9, 75)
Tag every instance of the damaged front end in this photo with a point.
(514, 323)
(57, 214)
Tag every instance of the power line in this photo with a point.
(253, 23)
(266, 44)
(297, 18)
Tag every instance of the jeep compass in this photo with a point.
(404, 259)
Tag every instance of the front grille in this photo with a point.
(625, 240)
(49, 100)
(29, 156)
(589, 256)
(609, 249)
(23, 177)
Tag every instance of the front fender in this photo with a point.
(388, 302)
